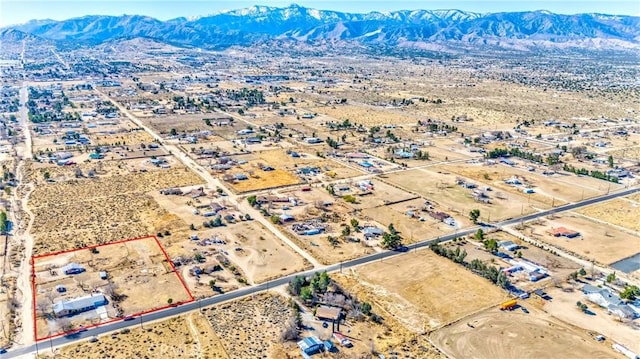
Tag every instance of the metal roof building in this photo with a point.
(78, 305)
(310, 345)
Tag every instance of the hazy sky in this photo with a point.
(20, 11)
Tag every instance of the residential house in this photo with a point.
(75, 306)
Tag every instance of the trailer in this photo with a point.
(509, 305)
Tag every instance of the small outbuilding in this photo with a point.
(311, 345)
(72, 268)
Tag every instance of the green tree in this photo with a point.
(174, 132)
(47, 175)
(474, 215)
(170, 300)
(611, 277)
(491, 245)
(212, 284)
(4, 223)
(582, 272)
(630, 292)
(610, 160)
(252, 200)
(355, 224)
(305, 294)
(479, 236)
(295, 286)
(346, 231)
(365, 308)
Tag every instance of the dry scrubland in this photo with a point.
(248, 328)
(496, 334)
(424, 291)
(189, 336)
(79, 213)
(129, 139)
(262, 180)
(366, 115)
(620, 212)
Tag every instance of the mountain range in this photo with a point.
(427, 29)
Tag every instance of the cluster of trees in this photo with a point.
(308, 289)
(585, 172)
(391, 239)
(216, 222)
(474, 215)
(332, 143)
(630, 292)
(437, 127)
(456, 255)
(339, 125)
(422, 155)
(515, 152)
(575, 275)
(426, 100)
(252, 97)
(392, 136)
(490, 272)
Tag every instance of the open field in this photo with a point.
(441, 189)
(621, 212)
(564, 188)
(366, 115)
(261, 255)
(261, 180)
(103, 209)
(133, 269)
(427, 290)
(514, 334)
(188, 336)
(600, 241)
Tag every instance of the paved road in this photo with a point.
(60, 341)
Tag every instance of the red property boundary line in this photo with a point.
(33, 287)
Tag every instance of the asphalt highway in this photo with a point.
(184, 308)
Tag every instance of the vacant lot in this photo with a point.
(188, 336)
(82, 212)
(496, 334)
(251, 327)
(259, 179)
(621, 212)
(427, 291)
(600, 241)
(260, 254)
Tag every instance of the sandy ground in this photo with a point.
(188, 336)
(102, 210)
(600, 241)
(621, 212)
(261, 256)
(496, 334)
(426, 291)
(563, 307)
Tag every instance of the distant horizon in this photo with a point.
(15, 12)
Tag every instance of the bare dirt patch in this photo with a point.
(426, 290)
(496, 334)
(621, 212)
